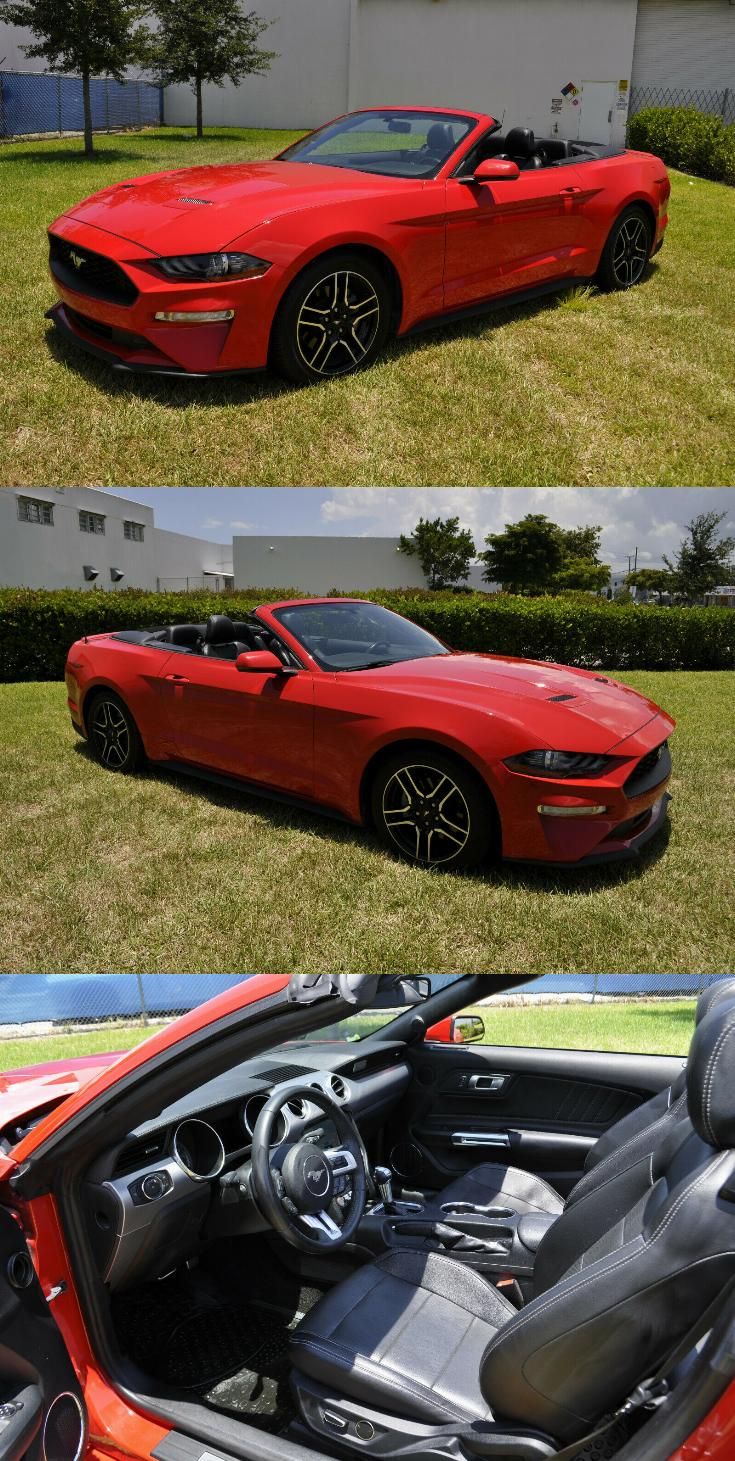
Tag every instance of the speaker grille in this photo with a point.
(64, 1430)
(406, 1160)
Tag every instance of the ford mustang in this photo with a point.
(381, 222)
(353, 710)
(272, 1231)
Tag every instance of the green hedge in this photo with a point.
(685, 138)
(37, 626)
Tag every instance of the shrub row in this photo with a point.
(685, 138)
(37, 626)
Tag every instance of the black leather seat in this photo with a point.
(520, 147)
(189, 635)
(219, 638)
(415, 1337)
(439, 141)
(493, 1184)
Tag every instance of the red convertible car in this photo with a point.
(272, 1231)
(351, 709)
(379, 223)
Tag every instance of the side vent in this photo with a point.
(140, 1154)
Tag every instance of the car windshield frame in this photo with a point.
(286, 613)
(342, 126)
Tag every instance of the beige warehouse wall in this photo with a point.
(316, 565)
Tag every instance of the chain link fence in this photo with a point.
(37, 1004)
(711, 103)
(41, 104)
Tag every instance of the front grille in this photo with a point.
(624, 830)
(108, 332)
(652, 767)
(89, 273)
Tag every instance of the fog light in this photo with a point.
(194, 316)
(549, 811)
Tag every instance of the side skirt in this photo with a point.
(254, 788)
(498, 302)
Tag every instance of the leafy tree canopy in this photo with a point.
(198, 41)
(704, 558)
(443, 548)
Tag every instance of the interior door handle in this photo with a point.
(492, 1084)
(179, 679)
(480, 1138)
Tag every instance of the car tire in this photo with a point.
(353, 295)
(112, 735)
(627, 251)
(457, 828)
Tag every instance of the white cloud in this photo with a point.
(213, 522)
(242, 527)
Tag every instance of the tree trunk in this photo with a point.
(200, 123)
(87, 103)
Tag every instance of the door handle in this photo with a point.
(493, 1084)
(480, 1138)
(178, 679)
(566, 192)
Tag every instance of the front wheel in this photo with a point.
(334, 319)
(627, 251)
(112, 734)
(433, 811)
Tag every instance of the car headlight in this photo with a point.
(188, 268)
(559, 763)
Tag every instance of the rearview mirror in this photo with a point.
(259, 662)
(395, 990)
(495, 170)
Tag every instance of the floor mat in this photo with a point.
(234, 1359)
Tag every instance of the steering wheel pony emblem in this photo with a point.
(313, 1196)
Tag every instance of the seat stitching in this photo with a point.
(605, 1161)
(332, 1350)
(351, 1309)
(519, 1171)
(722, 1040)
(484, 1290)
(576, 1287)
(394, 1335)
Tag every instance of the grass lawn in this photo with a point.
(645, 1026)
(158, 873)
(634, 389)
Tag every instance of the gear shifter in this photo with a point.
(383, 1178)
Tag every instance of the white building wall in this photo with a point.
(33, 555)
(685, 43)
(511, 56)
(12, 56)
(183, 562)
(317, 565)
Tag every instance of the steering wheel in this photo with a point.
(313, 1198)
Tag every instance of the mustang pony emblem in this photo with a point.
(78, 260)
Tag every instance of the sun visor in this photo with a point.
(366, 991)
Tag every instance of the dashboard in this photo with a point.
(156, 1198)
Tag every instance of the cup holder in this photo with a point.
(473, 1209)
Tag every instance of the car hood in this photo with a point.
(595, 714)
(201, 209)
(27, 1092)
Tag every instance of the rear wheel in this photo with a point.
(335, 319)
(112, 734)
(627, 250)
(433, 810)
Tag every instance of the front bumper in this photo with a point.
(634, 807)
(127, 336)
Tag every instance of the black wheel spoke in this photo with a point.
(426, 814)
(337, 323)
(110, 734)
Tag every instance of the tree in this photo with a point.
(582, 573)
(206, 40)
(525, 557)
(581, 543)
(657, 581)
(704, 559)
(83, 37)
(443, 548)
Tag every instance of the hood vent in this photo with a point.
(196, 202)
(557, 699)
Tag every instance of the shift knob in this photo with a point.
(383, 1178)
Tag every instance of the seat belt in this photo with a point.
(652, 1392)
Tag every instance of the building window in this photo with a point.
(30, 510)
(133, 531)
(91, 522)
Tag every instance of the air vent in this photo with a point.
(278, 1073)
(139, 1154)
(297, 1107)
(338, 1087)
(557, 699)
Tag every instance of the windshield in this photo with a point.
(357, 636)
(402, 144)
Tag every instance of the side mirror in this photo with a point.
(495, 170)
(259, 662)
(458, 1030)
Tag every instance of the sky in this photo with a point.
(651, 519)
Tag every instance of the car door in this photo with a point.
(541, 1110)
(511, 235)
(252, 725)
(42, 1411)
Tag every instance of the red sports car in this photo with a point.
(379, 223)
(348, 707)
(244, 1239)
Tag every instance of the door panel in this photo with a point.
(508, 236)
(541, 1110)
(250, 725)
(38, 1385)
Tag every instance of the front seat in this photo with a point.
(219, 630)
(417, 1338)
(520, 147)
(491, 1184)
(439, 141)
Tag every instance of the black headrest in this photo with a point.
(711, 1076)
(520, 142)
(724, 989)
(439, 139)
(219, 630)
(188, 634)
